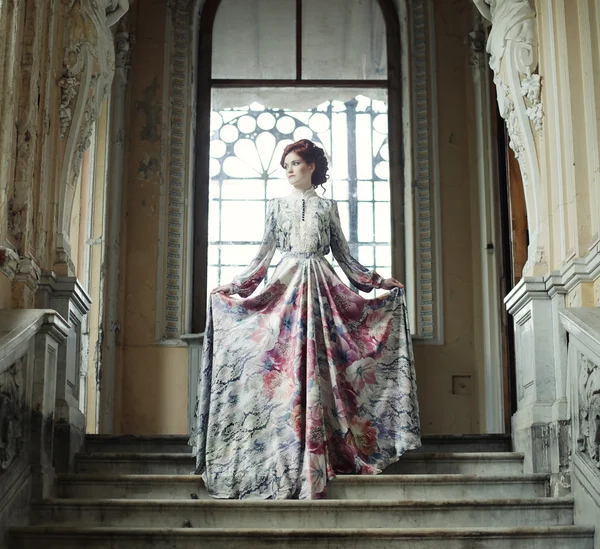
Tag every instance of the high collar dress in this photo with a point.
(304, 379)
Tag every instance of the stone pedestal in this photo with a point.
(540, 426)
(53, 332)
(29, 340)
(66, 295)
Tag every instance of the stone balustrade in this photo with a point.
(30, 349)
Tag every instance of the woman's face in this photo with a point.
(298, 172)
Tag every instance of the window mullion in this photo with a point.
(298, 39)
(352, 176)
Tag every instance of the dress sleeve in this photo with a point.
(247, 281)
(363, 278)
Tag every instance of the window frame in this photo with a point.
(205, 85)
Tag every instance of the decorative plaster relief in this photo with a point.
(588, 441)
(9, 262)
(180, 26)
(88, 69)
(123, 44)
(513, 48)
(423, 173)
(11, 414)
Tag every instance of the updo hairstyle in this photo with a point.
(311, 154)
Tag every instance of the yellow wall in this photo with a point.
(441, 410)
(155, 390)
(570, 152)
(96, 265)
(151, 394)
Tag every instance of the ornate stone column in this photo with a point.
(513, 47)
(88, 70)
(540, 426)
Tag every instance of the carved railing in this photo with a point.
(583, 326)
(29, 360)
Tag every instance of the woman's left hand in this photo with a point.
(389, 283)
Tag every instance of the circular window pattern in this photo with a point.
(229, 133)
(385, 152)
(286, 124)
(380, 124)
(303, 133)
(217, 148)
(319, 122)
(214, 168)
(266, 121)
(247, 124)
(234, 167)
(382, 170)
(216, 121)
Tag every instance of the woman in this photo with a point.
(305, 379)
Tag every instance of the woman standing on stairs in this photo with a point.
(305, 379)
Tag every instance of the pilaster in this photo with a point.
(66, 295)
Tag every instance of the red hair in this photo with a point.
(311, 154)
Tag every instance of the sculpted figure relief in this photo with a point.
(11, 414)
(115, 9)
(588, 441)
(513, 47)
(513, 20)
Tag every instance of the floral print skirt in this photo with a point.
(301, 382)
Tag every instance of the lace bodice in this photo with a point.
(304, 222)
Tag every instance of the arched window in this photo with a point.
(282, 70)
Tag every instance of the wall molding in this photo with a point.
(175, 193)
(428, 283)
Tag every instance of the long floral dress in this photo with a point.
(305, 379)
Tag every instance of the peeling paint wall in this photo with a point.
(151, 379)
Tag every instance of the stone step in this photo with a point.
(160, 444)
(305, 514)
(386, 487)
(477, 463)
(178, 443)
(58, 537)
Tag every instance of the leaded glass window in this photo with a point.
(247, 143)
(309, 40)
(282, 70)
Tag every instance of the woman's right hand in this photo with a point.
(226, 289)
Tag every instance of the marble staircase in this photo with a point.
(466, 492)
